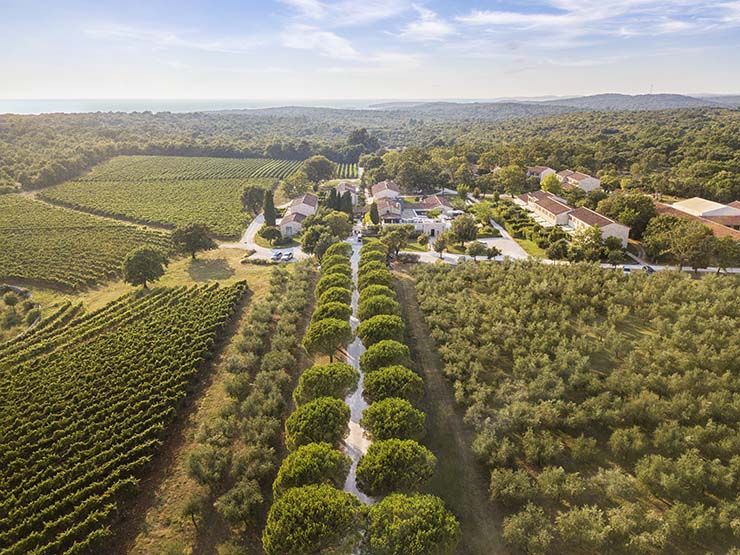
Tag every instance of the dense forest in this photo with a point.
(683, 152)
(605, 407)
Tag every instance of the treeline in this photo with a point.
(605, 406)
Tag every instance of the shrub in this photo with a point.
(339, 311)
(393, 418)
(322, 420)
(333, 280)
(393, 381)
(32, 315)
(374, 306)
(392, 465)
(337, 379)
(336, 294)
(314, 463)
(311, 519)
(384, 353)
(412, 525)
(380, 327)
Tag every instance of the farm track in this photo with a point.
(460, 480)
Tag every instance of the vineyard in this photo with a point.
(85, 409)
(185, 168)
(346, 171)
(605, 407)
(170, 191)
(65, 248)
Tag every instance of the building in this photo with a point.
(585, 218)
(718, 230)
(553, 209)
(307, 205)
(540, 172)
(385, 189)
(723, 214)
(390, 210)
(571, 179)
(343, 187)
(435, 202)
(291, 224)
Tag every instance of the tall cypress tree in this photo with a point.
(268, 207)
(374, 215)
(333, 202)
(345, 203)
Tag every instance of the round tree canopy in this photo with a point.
(393, 381)
(412, 525)
(314, 463)
(336, 379)
(342, 249)
(311, 519)
(376, 277)
(394, 465)
(384, 353)
(375, 291)
(336, 294)
(322, 420)
(380, 304)
(333, 280)
(340, 311)
(380, 327)
(393, 418)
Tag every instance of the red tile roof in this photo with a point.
(589, 217)
(553, 206)
(385, 185)
(719, 230)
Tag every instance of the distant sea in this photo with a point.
(46, 106)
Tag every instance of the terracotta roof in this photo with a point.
(553, 206)
(386, 206)
(383, 185)
(735, 204)
(578, 176)
(719, 230)
(292, 217)
(435, 201)
(308, 198)
(565, 173)
(538, 169)
(589, 217)
(344, 186)
(731, 221)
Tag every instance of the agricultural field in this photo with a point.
(86, 407)
(605, 407)
(347, 171)
(56, 246)
(171, 191)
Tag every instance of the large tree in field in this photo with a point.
(312, 519)
(142, 265)
(412, 525)
(252, 198)
(464, 228)
(193, 238)
(319, 168)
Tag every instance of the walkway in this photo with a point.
(356, 443)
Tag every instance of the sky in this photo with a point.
(384, 49)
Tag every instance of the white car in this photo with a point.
(288, 256)
(276, 256)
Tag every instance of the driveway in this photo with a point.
(248, 243)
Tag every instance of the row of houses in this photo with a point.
(556, 211)
(568, 178)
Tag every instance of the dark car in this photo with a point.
(648, 269)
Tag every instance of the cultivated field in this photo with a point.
(346, 171)
(605, 406)
(171, 191)
(62, 247)
(86, 407)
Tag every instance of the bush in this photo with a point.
(340, 249)
(394, 465)
(374, 306)
(336, 294)
(314, 463)
(376, 277)
(322, 420)
(384, 353)
(393, 381)
(337, 380)
(379, 328)
(333, 280)
(340, 311)
(311, 519)
(393, 418)
(32, 315)
(412, 525)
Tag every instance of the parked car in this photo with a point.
(276, 256)
(626, 270)
(288, 256)
(648, 269)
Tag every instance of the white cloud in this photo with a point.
(309, 8)
(327, 43)
(348, 12)
(163, 38)
(429, 27)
